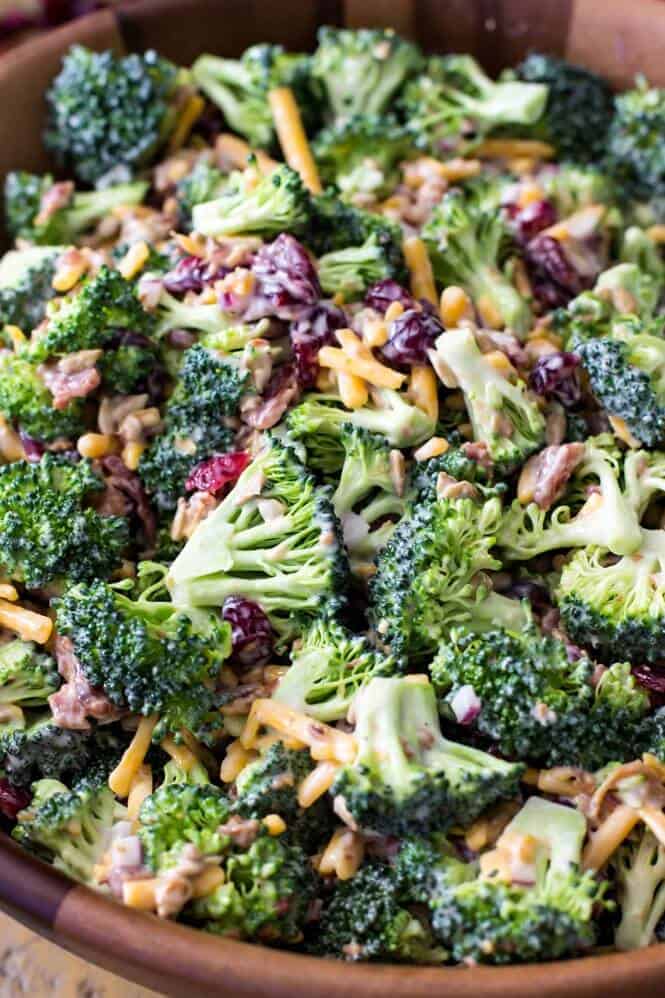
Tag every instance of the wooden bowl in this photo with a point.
(617, 38)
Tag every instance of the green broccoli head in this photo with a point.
(491, 919)
(596, 510)
(28, 676)
(69, 827)
(240, 87)
(407, 778)
(30, 217)
(430, 577)
(269, 785)
(367, 500)
(206, 397)
(273, 539)
(203, 183)
(89, 319)
(180, 813)
(41, 749)
(147, 655)
(266, 895)
(27, 403)
(639, 869)
(336, 226)
(318, 420)
(329, 666)
(361, 155)
(467, 246)
(537, 705)
(126, 368)
(578, 111)
(453, 104)
(504, 416)
(616, 607)
(109, 112)
(26, 285)
(572, 186)
(46, 530)
(279, 202)
(368, 918)
(362, 70)
(634, 149)
(639, 249)
(351, 271)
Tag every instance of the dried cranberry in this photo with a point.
(12, 799)
(32, 448)
(557, 376)
(533, 218)
(252, 636)
(312, 330)
(192, 273)
(553, 278)
(412, 334)
(653, 680)
(285, 283)
(382, 294)
(537, 595)
(217, 471)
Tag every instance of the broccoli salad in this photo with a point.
(332, 500)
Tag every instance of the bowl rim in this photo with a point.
(178, 960)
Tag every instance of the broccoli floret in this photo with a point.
(90, 319)
(46, 531)
(27, 676)
(634, 147)
(351, 271)
(318, 420)
(467, 245)
(178, 813)
(329, 665)
(208, 391)
(203, 183)
(639, 249)
(285, 553)
(365, 499)
(407, 778)
(172, 313)
(362, 71)
(572, 186)
(537, 705)
(503, 415)
(42, 749)
(270, 786)
(240, 87)
(430, 577)
(489, 920)
(368, 918)
(27, 403)
(361, 156)
(639, 868)
(616, 608)
(607, 518)
(579, 107)
(196, 774)
(454, 463)
(26, 285)
(277, 203)
(69, 827)
(127, 368)
(453, 104)
(29, 217)
(146, 654)
(336, 225)
(109, 114)
(267, 892)
(625, 369)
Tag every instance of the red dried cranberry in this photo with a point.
(554, 280)
(382, 294)
(653, 680)
(412, 334)
(12, 799)
(32, 448)
(312, 330)
(286, 283)
(557, 376)
(217, 471)
(252, 636)
(533, 218)
(537, 595)
(191, 273)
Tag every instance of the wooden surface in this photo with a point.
(31, 966)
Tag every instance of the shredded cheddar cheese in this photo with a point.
(356, 358)
(423, 390)
(27, 624)
(420, 268)
(141, 787)
(607, 839)
(343, 854)
(292, 138)
(325, 743)
(190, 114)
(121, 778)
(317, 783)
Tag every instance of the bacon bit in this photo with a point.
(77, 700)
(53, 200)
(189, 513)
(241, 831)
